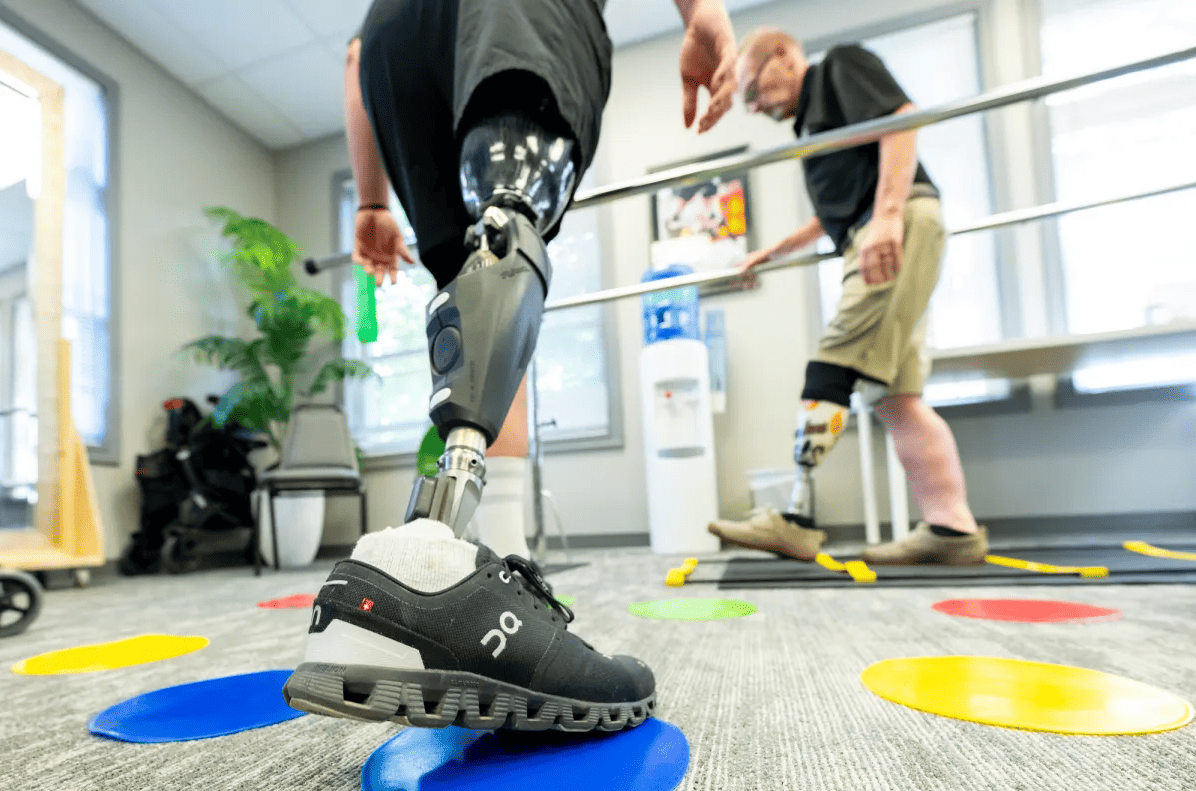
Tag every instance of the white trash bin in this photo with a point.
(300, 527)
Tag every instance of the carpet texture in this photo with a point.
(770, 701)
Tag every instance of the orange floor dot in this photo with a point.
(1012, 693)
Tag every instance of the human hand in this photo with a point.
(747, 279)
(378, 245)
(880, 253)
(708, 54)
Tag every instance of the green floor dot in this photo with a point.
(691, 609)
(568, 601)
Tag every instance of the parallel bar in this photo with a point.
(869, 132)
(1004, 219)
(695, 279)
(1046, 210)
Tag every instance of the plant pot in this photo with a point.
(300, 518)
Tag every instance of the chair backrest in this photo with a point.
(318, 436)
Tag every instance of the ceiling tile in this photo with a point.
(248, 109)
(163, 41)
(238, 32)
(307, 86)
(324, 17)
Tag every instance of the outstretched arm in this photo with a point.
(880, 253)
(377, 240)
(708, 56)
(368, 172)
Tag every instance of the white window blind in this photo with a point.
(86, 274)
(1121, 265)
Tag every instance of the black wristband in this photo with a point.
(372, 206)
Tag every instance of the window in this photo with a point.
(389, 414)
(1119, 266)
(965, 309)
(86, 275)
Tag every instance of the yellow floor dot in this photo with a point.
(1013, 693)
(110, 656)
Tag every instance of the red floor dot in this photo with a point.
(297, 602)
(1027, 610)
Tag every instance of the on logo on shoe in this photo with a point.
(502, 638)
(367, 605)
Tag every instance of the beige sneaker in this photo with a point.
(767, 529)
(923, 547)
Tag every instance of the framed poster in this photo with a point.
(706, 226)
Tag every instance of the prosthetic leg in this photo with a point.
(820, 424)
(516, 181)
(825, 409)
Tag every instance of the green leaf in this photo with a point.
(231, 354)
(338, 371)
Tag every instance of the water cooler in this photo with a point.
(678, 424)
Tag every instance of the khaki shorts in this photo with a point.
(880, 330)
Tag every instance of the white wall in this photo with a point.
(177, 156)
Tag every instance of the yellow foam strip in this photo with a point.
(688, 566)
(859, 571)
(675, 578)
(1046, 568)
(1142, 548)
(829, 563)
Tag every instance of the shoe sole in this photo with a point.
(774, 549)
(438, 699)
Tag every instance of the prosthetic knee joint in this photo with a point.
(516, 181)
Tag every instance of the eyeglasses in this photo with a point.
(751, 91)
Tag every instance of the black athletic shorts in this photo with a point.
(422, 62)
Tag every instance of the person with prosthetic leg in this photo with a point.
(483, 114)
(881, 209)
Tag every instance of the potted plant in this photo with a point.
(277, 367)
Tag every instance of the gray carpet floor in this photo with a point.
(770, 701)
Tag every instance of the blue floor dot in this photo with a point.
(651, 757)
(202, 710)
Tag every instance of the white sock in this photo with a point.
(424, 554)
(500, 516)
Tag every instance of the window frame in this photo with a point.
(1067, 395)
(1000, 188)
(612, 439)
(108, 452)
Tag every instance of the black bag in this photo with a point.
(201, 481)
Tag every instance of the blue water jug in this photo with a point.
(672, 313)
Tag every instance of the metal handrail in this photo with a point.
(1001, 220)
(869, 131)
(838, 139)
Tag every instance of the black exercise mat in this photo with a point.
(1124, 567)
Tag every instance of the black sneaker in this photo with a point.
(492, 651)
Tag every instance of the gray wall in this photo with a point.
(177, 156)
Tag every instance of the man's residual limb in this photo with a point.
(516, 181)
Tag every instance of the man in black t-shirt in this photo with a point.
(881, 210)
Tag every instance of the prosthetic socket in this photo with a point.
(819, 425)
(516, 181)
